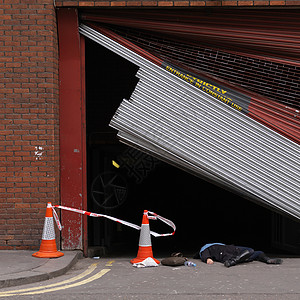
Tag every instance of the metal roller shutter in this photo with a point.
(273, 34)
(186, 127)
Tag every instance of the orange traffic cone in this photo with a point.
(48, 245)
(145, 246)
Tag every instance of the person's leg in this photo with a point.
(260, 256)
(264, 258)
(254, 254)
(245, 253)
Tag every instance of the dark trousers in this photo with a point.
(254, 254)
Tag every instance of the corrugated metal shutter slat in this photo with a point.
(198, 148)
(221, 138)
(213, 112)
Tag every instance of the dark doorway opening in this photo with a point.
(122, 182)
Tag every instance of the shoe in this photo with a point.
(268, 260)
(274, 261)
(238, 259)
(229, 263)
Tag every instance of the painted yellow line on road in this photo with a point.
(90, 279)
(90, 269)
(109, 263)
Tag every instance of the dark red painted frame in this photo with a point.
(72, 129)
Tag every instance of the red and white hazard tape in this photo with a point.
(166, 221)
(56, 218)
(83, 212)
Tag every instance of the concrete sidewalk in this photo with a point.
(20, 267)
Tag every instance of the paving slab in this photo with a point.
(20, 267)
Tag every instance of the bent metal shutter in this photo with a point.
(209, 129)
(273, 33)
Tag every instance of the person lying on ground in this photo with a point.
(231, 255)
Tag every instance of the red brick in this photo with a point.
(293, 2)
(134, 3)
(181, 3)
(213, 2)
(67, 3)
(118, 3)
(197, 3)
(165, 3)
(229, 3)
(86, 3)
(149, 3)
(261, 3)
(102, 3)
(245, 3)
(277, 2)
(21, 205)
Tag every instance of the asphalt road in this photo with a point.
(116, 278)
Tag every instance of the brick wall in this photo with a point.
(29, 157)
(177, 3)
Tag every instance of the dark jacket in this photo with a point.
(219, 253)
